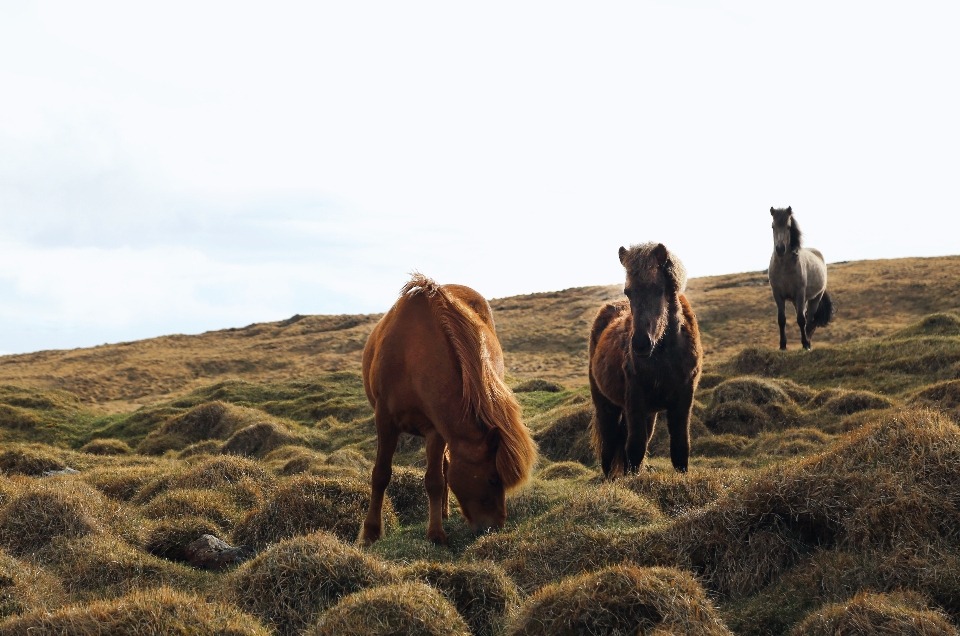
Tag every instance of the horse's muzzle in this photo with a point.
(781, 250)
(642, 347)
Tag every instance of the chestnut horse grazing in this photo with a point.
(433, 367)
(797, 274)
(645, 357)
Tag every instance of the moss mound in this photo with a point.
(606, 505)
(25, 587)
(621, 600)
(29, 459)
(408, 495)
(106, 446)
(349, 458)
(759, 361)
(566, 436)
(482, 592)
(536, 384)
(99, 565)
(206, 447)
(167, 538)
(856, 401)
(292, 582)
(49, 508)
(307, 504)
(259, 439)
(933, 325)
(405, 608)
(141, 613)
(736, 418)
(867, 614)
(178, 503)
(885, 484)
(565, 470)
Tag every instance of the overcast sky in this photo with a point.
(189, 166)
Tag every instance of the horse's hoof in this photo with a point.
(439, 538)
(368, 539)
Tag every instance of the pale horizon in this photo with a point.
(192, 167)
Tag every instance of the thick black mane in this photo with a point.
(796, 236)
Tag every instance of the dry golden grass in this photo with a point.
(623, 600)
(306, 504)
(903, 613)
(292, 582)
(39, 511)
(25, 587)
(410, 608)
(142, 613)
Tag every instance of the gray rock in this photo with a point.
(210, 553)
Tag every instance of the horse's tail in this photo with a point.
(485, 393)
(825, 311)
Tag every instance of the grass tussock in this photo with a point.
(43, 510)
(167, 538)
(29, 459)
(408, 608)
(482, 593)
(566, 470)
(677, 493)
(101, 565)
(259, 439)
(856, 401)
(408, 495)
(212, 505)
(621, 600)
(306, 504)
(245, 480)
(537, 384)
(292, 582)
(106, 446)
(25, 587)
(123, 482)
(886, 484)
(866, 614)
(563, 433)
(141, 613)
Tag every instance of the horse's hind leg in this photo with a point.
(801, 303)
(387, 436)
(812, 307)
(445, 505)
(609, 434)
(435, 482)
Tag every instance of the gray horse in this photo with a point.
(798, 274)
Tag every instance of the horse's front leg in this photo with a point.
(387, 436)
(640, 423)
(435, 481)
(678, 422)
(801, 304)
(781, 319)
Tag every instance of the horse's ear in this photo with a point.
(789, 209)
(660, 252)
(493, 439)
(771, 210)
(622, 253)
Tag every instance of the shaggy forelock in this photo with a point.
(640, 263)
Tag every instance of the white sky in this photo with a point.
(192, 166)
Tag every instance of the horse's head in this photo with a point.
(654, 279)
(786, 232)
(474, 479)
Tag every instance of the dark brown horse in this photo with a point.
(433, 367)
(645, 357)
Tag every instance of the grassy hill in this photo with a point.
(822, 496)
(543, 335)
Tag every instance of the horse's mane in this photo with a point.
(640, 259)
(484, 391)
